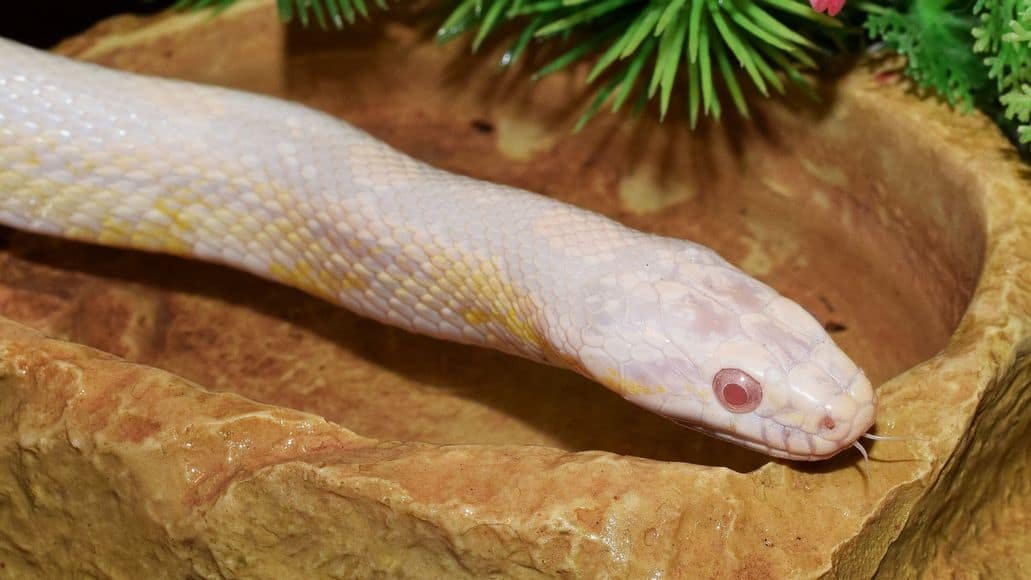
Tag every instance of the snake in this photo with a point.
(294, 195)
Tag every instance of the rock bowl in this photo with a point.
(166, 418)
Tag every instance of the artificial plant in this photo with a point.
(969, 52)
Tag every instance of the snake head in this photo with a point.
(784, 387)
(698, 341)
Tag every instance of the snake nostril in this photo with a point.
(828, 423)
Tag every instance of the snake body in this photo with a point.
(294, 195)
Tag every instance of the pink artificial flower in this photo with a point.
(831, 7)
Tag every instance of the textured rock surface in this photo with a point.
(876, 211)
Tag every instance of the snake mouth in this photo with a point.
(816, 447)
(762, 446)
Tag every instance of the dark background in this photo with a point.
(43, 23)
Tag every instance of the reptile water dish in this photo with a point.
(357, 450)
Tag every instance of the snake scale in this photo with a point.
(294, 195)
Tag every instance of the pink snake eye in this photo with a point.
(737, 391)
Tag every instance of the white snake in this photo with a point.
(296, 196)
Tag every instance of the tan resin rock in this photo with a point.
(885, 215)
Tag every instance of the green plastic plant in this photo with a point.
(936, 39)
(1004, 35)
(958, 48)
(646, 48)
(640, 50)
(971, 52)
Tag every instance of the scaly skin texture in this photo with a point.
(291, 194)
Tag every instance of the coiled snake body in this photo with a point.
(291, 194)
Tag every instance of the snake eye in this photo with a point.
(737, 391)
